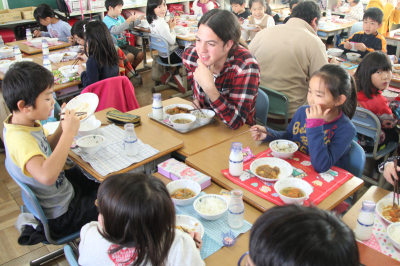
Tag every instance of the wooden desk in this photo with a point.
(145, 133)
(368, 256)
(335, 30)
(32, 50)
(211, 161)
(195, 141)
(394, 40)
(277, 7)
(227, 255)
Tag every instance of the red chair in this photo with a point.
(7, 35)
(116, 92)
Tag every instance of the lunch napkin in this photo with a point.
(213, 230)
(111, 157)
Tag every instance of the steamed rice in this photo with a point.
(283, 147)
(211, 206)
(395, 234)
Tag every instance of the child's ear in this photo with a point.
(22, 107)
(340, 100)
(244, 5)
(380, 25)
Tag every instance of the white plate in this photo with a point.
(285, 168)
(190, 223)
(395, 70)
(386, 201)
(247, 27)
(66, 67)
(90, 98)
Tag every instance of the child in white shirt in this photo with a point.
(355, 9)
(259, 18)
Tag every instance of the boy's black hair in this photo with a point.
(44, 11)
(307, 10)
(239, 2)
(294, 2)
(372, 63)
(355, 1)
(99, 44)
(25, 81)
(113, 3)
(78, 30)
(262, 2)
(374, 13)
(295, 235)
(151, 5)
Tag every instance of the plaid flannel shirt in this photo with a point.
(124, 63)
(237, 84)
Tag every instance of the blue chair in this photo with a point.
(278, 105)
(262, 105)
(32, 206)
(368, 124)
(356, 164)
(161, 45)
(70, 255)
(358, 26)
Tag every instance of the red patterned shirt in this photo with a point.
(237, 84)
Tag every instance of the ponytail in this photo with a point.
(339, 82)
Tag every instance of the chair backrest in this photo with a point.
(116, 92)
(32, 204)
(262, 106)
(278, 103)
(356, 163)
(358, 26)
(160, 44)
(367, 124)
(70, 256)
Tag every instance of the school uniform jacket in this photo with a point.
(374, 42)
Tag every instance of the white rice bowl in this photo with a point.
(210, 206)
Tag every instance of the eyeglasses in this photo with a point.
(243, 261)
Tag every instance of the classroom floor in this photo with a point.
(13, 254)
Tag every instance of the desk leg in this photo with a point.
(398, 49)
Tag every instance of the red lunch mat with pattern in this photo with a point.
(323, 183)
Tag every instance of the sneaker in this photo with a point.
(166, 77)
(137, 76)
(179, 81)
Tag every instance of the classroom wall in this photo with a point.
(25, 3)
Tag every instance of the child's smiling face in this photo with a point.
(257, 10)
(318, 94)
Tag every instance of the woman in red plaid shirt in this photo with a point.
(223, 74)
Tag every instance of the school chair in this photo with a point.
(116, 92)
(262, 105)
(368, 124)
(358, 26)
(161, 45)
(356, 164)
(70, 256)
(32, 206)
(278, 105)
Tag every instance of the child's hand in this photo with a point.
(141, 17)
(70, 123)
(132, 18)
(197, 236)
(71, 40)
(83, 57)
(347, 45)
(347, 11)
(389, 172)
(257, 29)
(258, 132)
(396, 60)
(360, 46)
(315, 112)
(172, 23)
(37, 33)
(196, 103)
(81, 68)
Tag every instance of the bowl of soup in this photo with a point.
(335, 51)
(183, 191)
(352, 56)
(182, 122)
(69, 72)
(52, 41)
(293, 190)
(56, 58)
(91, 143)
(37, 43)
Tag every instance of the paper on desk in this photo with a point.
(111, 157)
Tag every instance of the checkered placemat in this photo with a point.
(111, 157)
(213, 230)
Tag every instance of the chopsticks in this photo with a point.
(396, 187)
(77, 114)
(196, 105)
(195, 240)
(75, 62)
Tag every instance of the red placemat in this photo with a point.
(323, 183)
(30, 44)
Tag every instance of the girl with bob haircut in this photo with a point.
(373, 76)
(136, 226)
(223, 74)
(57, 27)
(259, 17)
(102, 57)
(78, 32)
(323, 129)
(316, 238)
